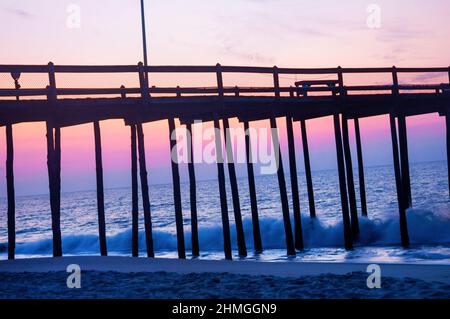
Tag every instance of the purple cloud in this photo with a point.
(20, 13)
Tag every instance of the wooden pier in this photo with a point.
(298, 102)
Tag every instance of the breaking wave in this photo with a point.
(424, 226)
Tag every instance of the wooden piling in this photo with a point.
(403, 138)
(447, 124)
(290, 246)
(10, 192)
(176, 190)
(221, 170)
(294, 185)
(242, 249)
(54, 166)
(134, 195)
(192, 192)
(309, 183)
(143, 80)
(350, 181)
(58, 168)
(145, 192)
(348, 238)
(53, 181)
(362, 184)
(252, 190)
(100, 190)
(10, 184)
(398, 183)
(403, 142)
(134, 188)
(257, 243)
(222, 191)
(58, 180)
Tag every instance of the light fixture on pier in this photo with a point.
(16, 77)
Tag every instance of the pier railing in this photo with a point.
(219, 71)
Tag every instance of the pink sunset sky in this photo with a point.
(286, 33)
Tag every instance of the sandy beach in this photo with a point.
(124, 277)
(427, 272)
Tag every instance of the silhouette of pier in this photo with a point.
(298, 102)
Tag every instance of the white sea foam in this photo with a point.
(424, 226)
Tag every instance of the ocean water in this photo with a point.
(428, 220)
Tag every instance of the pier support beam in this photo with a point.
(221, 170)
(134, 195)
(143, 81)
(54, 166)
(252, 189)
(399, 184)
(290, 246)
(294, 185)
(348, 240)
(242, 249)
(403, 137)
(58, 170)
(57, 176)
(176, 190)
(362, 183)
(192, 192)
(145, 192)
(309, 183)
(350, 181)
(282, 185)
(403, 141)
(447, 124)
(222, 191)
(100, 190)
(11, 192)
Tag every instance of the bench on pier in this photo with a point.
(309, 83)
